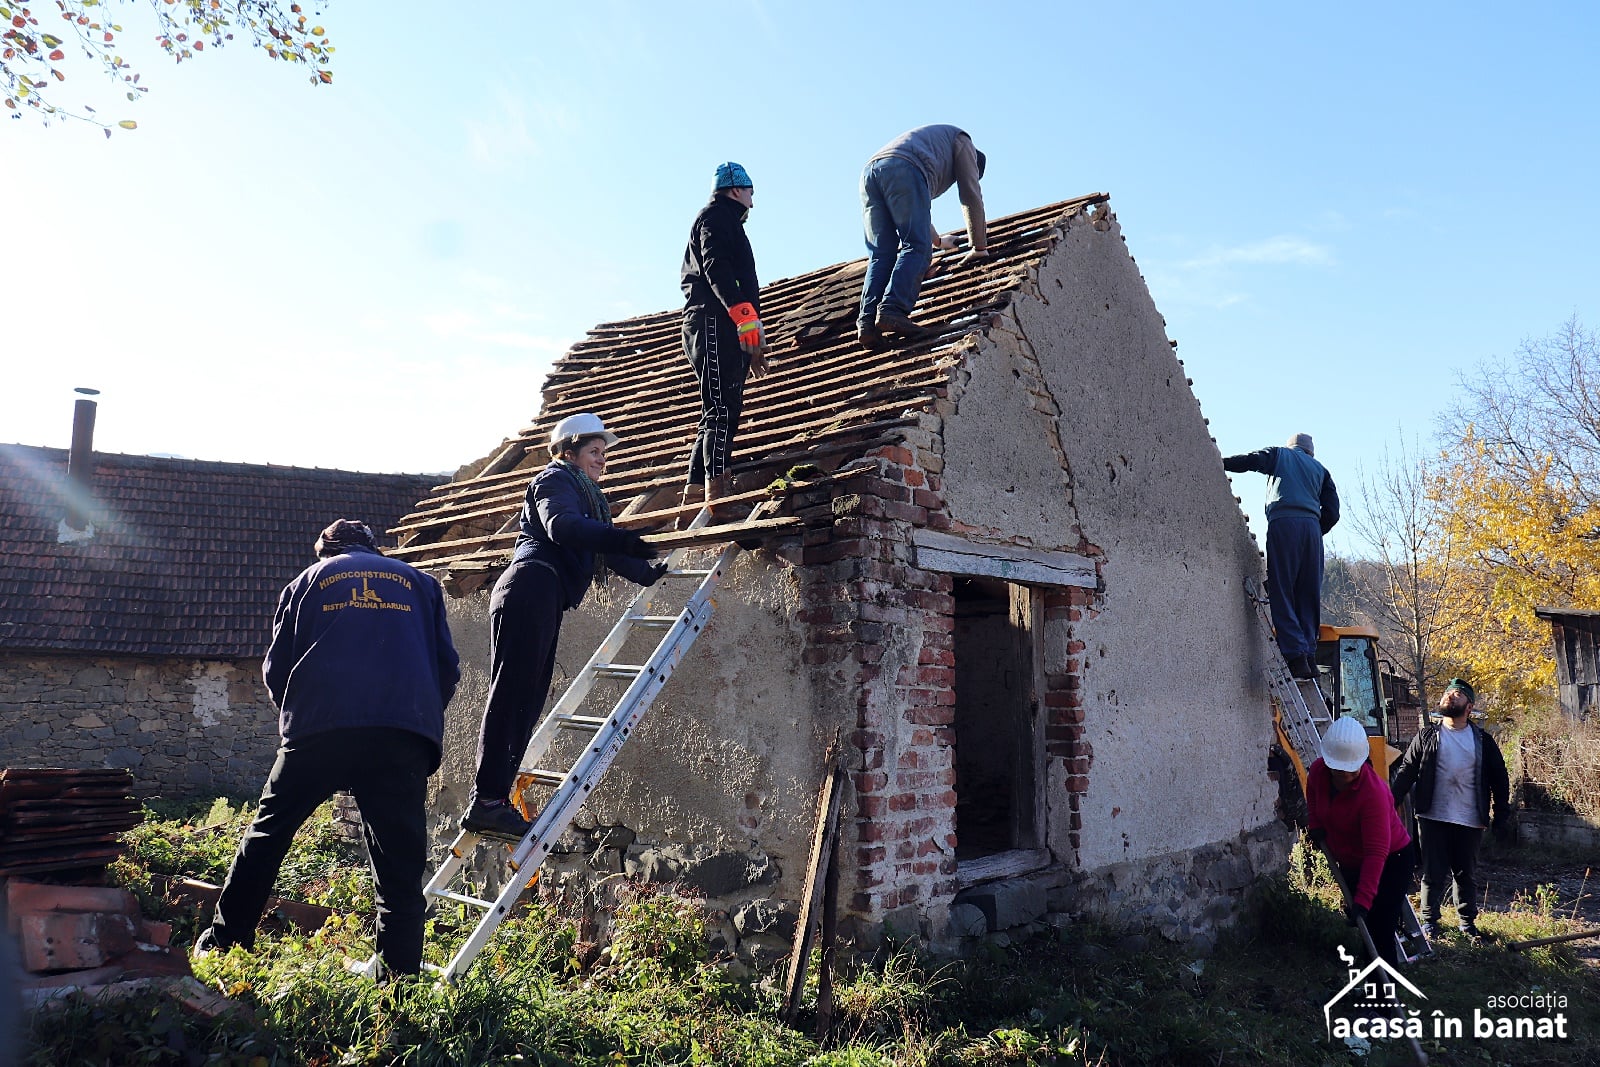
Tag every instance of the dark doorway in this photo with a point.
(995, 716)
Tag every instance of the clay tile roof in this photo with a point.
(188, 557)
(826, 401)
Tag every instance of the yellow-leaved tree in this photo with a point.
(41, 42)
(1518, 496)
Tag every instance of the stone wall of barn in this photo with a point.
(184, 727)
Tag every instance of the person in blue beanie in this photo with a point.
(724, 338)
(360, 667)
(1302, 506)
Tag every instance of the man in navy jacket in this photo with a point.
(361, 667)
(1302, 505)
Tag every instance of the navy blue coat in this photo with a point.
(559, 528)
(361, 640)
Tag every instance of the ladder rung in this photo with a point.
(618, 670)
(581, 722)
(653, 622)
(543, 777)
(691, 572)
(462, 898)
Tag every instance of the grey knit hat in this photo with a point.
(1301, 441)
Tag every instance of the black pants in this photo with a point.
(524, 626)
(711, 341)
(1449, 858)
(387, 770)
(1383, 917)
(1294, 583)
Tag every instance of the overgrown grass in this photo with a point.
(656, 996)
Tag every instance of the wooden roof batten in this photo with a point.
(827, 401)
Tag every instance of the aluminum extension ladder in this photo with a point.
(1305, 715)
(607, 736)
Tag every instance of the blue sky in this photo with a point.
(1338, 208)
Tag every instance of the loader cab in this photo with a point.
(1347, 658)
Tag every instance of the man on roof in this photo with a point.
(723, 336)
(898, 188)
(1302, 506)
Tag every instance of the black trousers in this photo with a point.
(711, 341)
(1383, 918)
(1449, 859)
(387, 771)
(524, 626)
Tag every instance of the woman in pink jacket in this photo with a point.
(1351, 810)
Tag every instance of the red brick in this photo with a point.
(867, 855)
(930, 715)
(1077, 783)
(927, 499)
(896, 454)
(914, 478)
(910, 758)
(73, 940)
(902, 802)
(871, 807)
(870, 782)
(25, 897)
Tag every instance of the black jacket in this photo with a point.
(718, 266)
(1421, 760)
(557, 529)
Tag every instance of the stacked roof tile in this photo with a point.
(826, 401)
(187, 557)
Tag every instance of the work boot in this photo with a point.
(1302, 667)
(495, 820)
(1430, 930)
(205, 945)
(1470, 931)
(895, 322)
(871, 338)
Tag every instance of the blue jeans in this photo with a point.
(1294, 582)
(897, 215)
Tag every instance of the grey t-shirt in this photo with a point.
(1455, 779)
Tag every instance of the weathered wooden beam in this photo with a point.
(957, 555)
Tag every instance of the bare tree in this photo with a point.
(1411, 587)
(1542, 404)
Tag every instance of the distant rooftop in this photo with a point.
(187, 557)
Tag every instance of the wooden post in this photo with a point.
(823, 852)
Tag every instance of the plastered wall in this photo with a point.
(730, 756)
(1174, 708)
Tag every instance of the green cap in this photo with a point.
(1466, 690)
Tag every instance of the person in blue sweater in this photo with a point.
(360, 667)
(566, 541)
(1302, 506)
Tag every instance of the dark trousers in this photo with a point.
(524, 626)
(1449, 858)
(387, 771)
(1294, 583)
(1383, 917)
(711, 341)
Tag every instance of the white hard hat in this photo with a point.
(1344, 746)
(573, 427)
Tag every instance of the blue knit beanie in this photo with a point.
(732, 176)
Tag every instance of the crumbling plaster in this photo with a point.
(1175, 713)
(729, 757)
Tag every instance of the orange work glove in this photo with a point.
(752, 338)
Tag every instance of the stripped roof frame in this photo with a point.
(826, 401)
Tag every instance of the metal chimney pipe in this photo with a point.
(80, 460)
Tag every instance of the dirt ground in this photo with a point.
(1505, 873)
